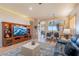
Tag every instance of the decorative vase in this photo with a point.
(33, 42)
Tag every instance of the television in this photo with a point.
(19, 30)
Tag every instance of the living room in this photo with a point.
(39, 29)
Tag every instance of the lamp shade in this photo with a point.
(66, 31)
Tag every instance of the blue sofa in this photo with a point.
(72, 48)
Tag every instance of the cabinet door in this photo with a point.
(7, 33)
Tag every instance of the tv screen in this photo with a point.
(20, 30)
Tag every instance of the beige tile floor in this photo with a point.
(10, 48)
(51, 42)
(5, 49)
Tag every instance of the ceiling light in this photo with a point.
(30, 8)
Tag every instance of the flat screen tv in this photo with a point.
(19, 30)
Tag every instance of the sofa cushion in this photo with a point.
(73, 39)
(77, 42)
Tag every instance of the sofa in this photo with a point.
(72, 47)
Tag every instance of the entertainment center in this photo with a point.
(13, 33)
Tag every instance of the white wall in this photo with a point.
(10, 17)
(0, 34)
(15, 20)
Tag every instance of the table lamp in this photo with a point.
(66, 31)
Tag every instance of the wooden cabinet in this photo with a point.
(8, 34)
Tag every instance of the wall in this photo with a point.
(34, 31)
(9, 17)
(0, 34)
(66, 23)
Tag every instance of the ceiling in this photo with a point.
(44, 10)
